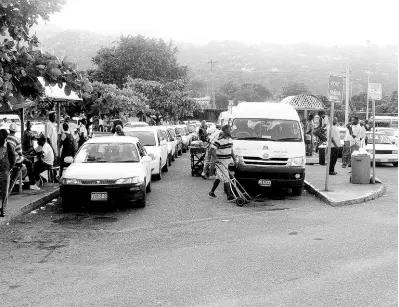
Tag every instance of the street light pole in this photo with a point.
(368, 84)
(213, 83)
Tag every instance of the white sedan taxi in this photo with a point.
(110, 169)
(385, 151)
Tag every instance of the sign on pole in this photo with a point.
(375, 91)
(335, 88)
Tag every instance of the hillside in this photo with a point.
(270, 64)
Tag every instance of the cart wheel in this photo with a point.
(240, 202)
(192, 174)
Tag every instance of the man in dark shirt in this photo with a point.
(27, 140)
(67, 147)
(202, 133)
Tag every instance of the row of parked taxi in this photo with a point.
(120, 169)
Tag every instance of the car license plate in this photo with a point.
(99, 196)
(264, 182)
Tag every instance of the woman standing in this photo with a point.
(309, 135)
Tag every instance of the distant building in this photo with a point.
(204, 102)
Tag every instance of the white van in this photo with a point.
(269, 145)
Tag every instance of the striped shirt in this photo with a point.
(16, 144)
(223, 148)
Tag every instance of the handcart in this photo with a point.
(197, 156)
(241, 196)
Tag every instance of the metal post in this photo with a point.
(368, 84)
(22, 122)
(58, 124)
(347, 93)
(329, 145)
(373, 105)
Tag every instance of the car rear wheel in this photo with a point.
(148, 188)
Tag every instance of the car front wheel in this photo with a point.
(141, 203)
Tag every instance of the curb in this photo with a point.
(373, 195)
(30, 206)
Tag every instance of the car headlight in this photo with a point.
(395, 152)
(130, 180)
(70, 181)
(152, 156)
(298, 161)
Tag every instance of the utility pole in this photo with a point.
(213, 83)
(368, 84)
(347, 92)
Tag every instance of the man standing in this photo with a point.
(346, 152)
(222, 153)
(356, 134)
(7, 161)
(67, 147)
(14, 141)
(202, 133)
(27, 139)
(362, 134)
(335, 141)
(208, 161)
(50, 132)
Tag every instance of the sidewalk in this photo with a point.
(340, 191)
(28, 201)
(314, 159)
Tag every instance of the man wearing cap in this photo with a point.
(50, 132)
(15, 142)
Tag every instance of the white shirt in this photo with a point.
(347, 136)
(50, 131)
(357, 132)
(48, 154)
(325, 121)
(362, 132)
(101, 122)
(334, 135)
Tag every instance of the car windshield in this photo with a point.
(146, 138)
(379, 139)
(107, 153)
(266, 129)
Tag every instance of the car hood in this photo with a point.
(382, 147)
(255, 148)
(102, 170)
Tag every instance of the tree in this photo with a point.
(252, 92)
(197, 87)
(293, 89)
(21, 65)
(170, 99)
(222, 100)
(230, 88)
(138, 57)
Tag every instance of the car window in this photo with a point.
(146, 138)
(172, 132)
(141, 150)
(107, 153)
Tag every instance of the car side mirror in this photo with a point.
(68, 160)
(146, 159)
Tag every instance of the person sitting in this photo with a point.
(20, 159)
(45, 155)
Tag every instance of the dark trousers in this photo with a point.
(333, 159)
(39, 168)
(30, 169)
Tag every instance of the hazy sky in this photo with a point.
(279, 21)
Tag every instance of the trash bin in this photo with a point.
(322, 155)
(360, 168)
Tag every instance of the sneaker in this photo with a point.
(34, 187)
(204, 176)
(231, 198)
(212, 195)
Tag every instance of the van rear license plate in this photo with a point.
(99, 196)
(264, 182)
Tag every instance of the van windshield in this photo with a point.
(277, 130)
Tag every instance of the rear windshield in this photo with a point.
(146, 138)
(107, 153)
(266, 129)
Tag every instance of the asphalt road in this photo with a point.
(185, 249)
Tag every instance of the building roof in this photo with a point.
(304, 102)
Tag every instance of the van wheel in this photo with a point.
(141, 203)
(297, 191)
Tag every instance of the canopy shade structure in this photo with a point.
(56, 93)
(304, 102)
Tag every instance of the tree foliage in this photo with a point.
(171, 99)
(21, 65)
(245, 92)
(138, 57)
(294, 88)
(221, 100)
